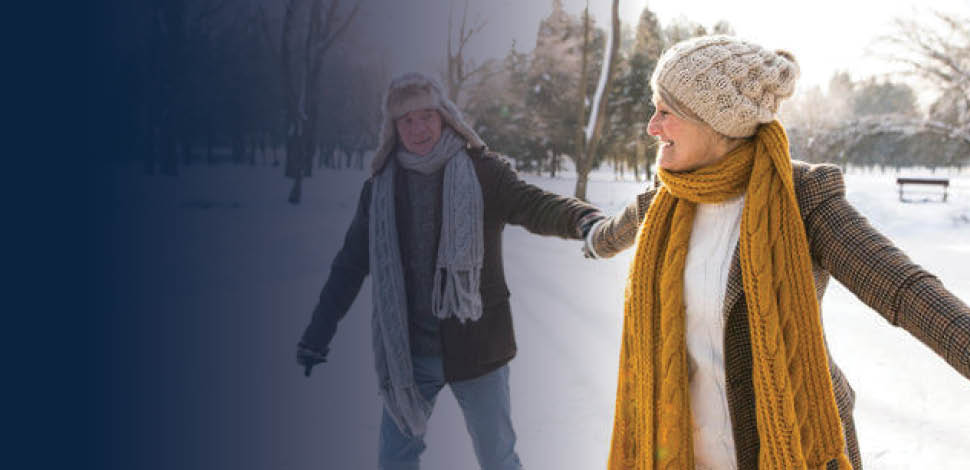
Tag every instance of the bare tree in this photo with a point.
(588, 136)
(937, 49)
(176, 26)
(459, 68)
(301, 71)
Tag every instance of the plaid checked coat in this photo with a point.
(845, 246)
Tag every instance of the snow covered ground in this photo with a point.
(247, 267)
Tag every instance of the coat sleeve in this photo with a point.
(347, 273)
(538, 211)
(618, 232)
(880, 274)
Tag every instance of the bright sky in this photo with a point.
(824, 35)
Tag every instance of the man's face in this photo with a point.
(419, 130)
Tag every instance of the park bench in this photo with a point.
(944, 182)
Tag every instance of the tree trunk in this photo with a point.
(587, 139)
(296, 192)
(581, 142)
(458, 72)
(641, 156)
(294, 166)
(582, 178)
(636, 163)
(309, 151)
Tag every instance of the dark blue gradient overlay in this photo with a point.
(174, 376)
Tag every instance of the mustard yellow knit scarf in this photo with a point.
(798, 419)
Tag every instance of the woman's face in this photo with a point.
(684, 145)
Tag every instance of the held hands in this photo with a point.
(588, 221)
(589, 231)
(308, 356)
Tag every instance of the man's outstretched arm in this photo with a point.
(347, 273)
(540, 211)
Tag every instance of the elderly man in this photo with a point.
(428, 228)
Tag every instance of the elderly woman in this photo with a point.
(723, 362)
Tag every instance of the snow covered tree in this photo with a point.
(936, 48)
(873, 123)
(651, 43)
(841, 90)
(632, 98)
(681, 29)
(589, 133)
(874, 97)
(883, 141)
(499, 112)
(857, 123)
(552, 80)
(809, 109)
(581, 94)
(723, 27)
(651, 40)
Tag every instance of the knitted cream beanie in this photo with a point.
(732, 85)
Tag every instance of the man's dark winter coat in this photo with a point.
(471, 349)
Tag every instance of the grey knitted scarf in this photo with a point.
(457, 271)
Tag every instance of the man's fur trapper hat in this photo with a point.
(411, 92)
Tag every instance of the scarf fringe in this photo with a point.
(459, 295)
(407, 408)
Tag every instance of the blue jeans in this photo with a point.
(485, 403)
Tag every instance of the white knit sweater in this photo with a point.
(712, 243)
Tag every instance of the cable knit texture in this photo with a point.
(732, 85)
(797, 416)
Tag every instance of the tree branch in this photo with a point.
(335, 34)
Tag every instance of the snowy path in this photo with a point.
(248, 276)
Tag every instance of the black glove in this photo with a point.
(308, 356)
